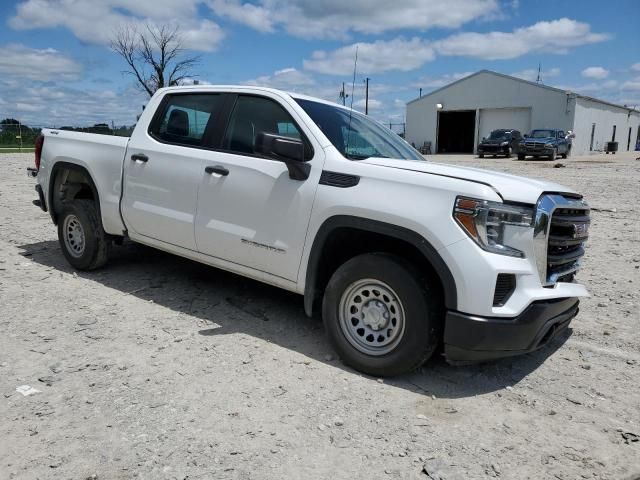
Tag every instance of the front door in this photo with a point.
(164, 166)
(250, 212)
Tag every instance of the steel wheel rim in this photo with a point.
(372, 317)
(73, 234)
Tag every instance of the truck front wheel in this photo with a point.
(84, 243)
(381, 315)
(521, 156)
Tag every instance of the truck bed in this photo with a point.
(100, 155)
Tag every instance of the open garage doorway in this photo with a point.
(456, 131)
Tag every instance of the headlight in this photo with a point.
(504, 144)
(491, 224)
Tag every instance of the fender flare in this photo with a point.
(390, 230)
(52, 178)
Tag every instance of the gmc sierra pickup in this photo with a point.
(399, 254)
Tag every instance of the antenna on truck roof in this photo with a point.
(353, 84)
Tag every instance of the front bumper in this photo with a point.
(536, 150)
(470, 338)
(493, 149)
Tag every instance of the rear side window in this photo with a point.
(253, 115)
(184, 118)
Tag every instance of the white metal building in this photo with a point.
(455, 117)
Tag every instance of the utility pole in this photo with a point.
(420, 92)
(343, 95)
(20, 135)
(366, 97)
(539, 78)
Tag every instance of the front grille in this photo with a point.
(567, 235)
(535, 145)
(560, 232)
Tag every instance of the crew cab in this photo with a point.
(500, 142)
(547, 143)
(398, 253)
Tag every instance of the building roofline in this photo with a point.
(534, 84)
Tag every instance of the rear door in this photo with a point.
(163, 168)
(250, 212)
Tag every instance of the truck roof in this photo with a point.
(247, 88)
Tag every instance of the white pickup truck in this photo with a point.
(401, 254)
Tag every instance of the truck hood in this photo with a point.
(510, 187)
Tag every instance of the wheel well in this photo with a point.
(69, 182)
(335, 245)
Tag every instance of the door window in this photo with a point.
(183, 119)
(254, 115)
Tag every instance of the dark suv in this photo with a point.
(500, 142)
(547, 143)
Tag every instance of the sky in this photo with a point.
(56, 67)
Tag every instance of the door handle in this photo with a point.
(217, 169)
(139, 157)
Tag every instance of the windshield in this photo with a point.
(498, 134)
(357, 137)
(542, 134)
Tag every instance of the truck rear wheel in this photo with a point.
(83, 241)
(521, 156)
(382, 317)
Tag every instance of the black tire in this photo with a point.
(521, 156)
(564, 155)
(553, 155)
(481, 155)
(95, 252)
(419, 300)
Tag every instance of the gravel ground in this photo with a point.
(157, 367)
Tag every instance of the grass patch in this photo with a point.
(16, 150)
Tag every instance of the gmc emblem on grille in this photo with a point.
(580, 230)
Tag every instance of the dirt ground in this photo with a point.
(158, 367)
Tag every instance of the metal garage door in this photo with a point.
(495, 118)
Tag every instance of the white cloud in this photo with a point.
(428, 83)
(373, 104)
(33, 64)
(400, 54)
(339, 18)
(556, 36)
(632, 85)
(635, 67)
(531, 74)
(377, 57)
(285, 79)
(55, 103)
(253, 16)
(595, 72)
(95, 21)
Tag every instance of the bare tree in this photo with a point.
(155, 56)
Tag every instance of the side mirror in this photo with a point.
(484, 138)
(526, 135)
(285, 149)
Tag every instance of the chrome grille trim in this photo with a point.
(545, 208)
